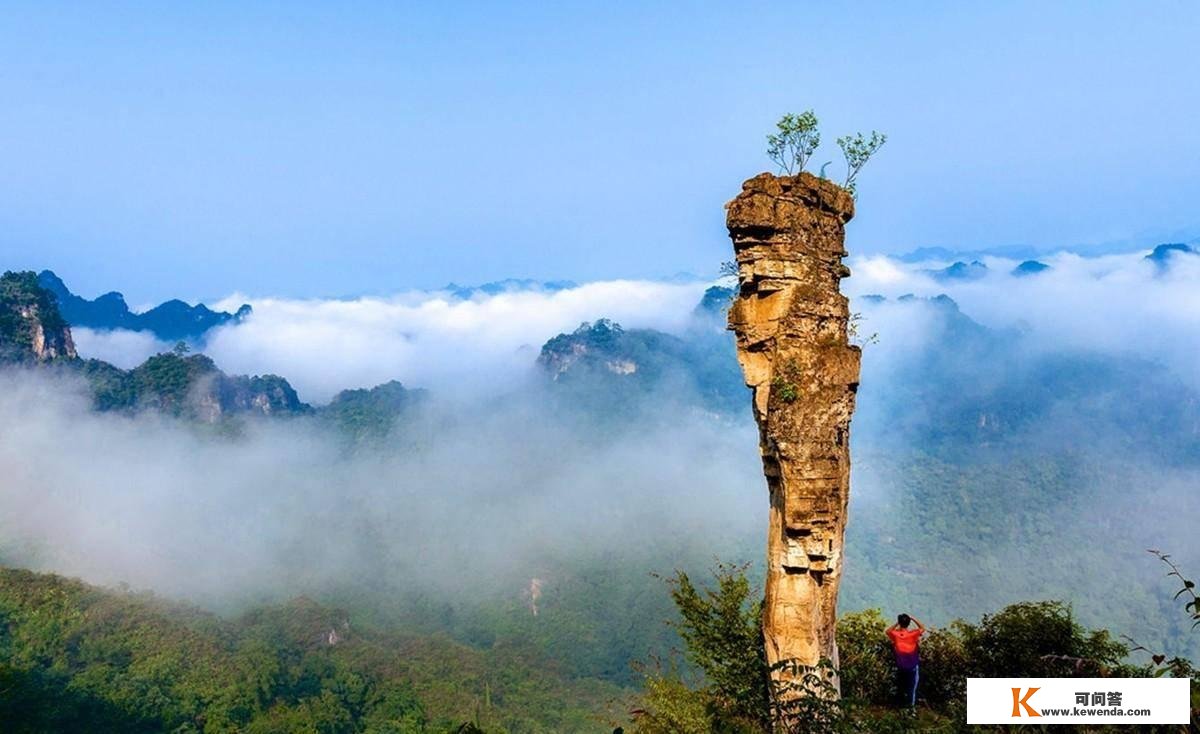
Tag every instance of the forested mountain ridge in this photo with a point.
(602, 363)
(33, 331)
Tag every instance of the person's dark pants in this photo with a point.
(906, 685)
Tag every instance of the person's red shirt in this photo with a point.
(906, 643)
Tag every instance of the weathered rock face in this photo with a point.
(791, 323)
(47, 342)
(31, 328)
(191, 386)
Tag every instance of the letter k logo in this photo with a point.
(1019, 701)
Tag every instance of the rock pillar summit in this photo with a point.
(792, 327)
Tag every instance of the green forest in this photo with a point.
(74, 657)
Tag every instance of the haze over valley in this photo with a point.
(521, 446)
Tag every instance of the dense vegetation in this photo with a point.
(186, 386)
(77, 658)
(366, 415)
(720, 627)
(74, 657)
(610, 372)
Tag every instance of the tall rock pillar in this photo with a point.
(791, 323)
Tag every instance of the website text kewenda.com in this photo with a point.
(1095, 712)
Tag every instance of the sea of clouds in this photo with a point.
(494, 491)
(458, 502)
(1114, 303)
(423, 339)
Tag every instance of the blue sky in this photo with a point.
(308, 149)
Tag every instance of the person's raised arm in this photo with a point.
(917, 622)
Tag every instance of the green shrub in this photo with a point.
(867, 671)
(796, 138)
(669, 706)
(858, 149)
(722, 630)
(944, 666)
(1037, 639)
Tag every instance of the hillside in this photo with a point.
(74, 657)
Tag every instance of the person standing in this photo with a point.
(906, 644)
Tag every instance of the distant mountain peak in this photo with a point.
(508, 285)
(593, 343)
(1011, 252)
(960, 270)
(1163, 254)
(715, 302)
(170, 321)
(1029, 267)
